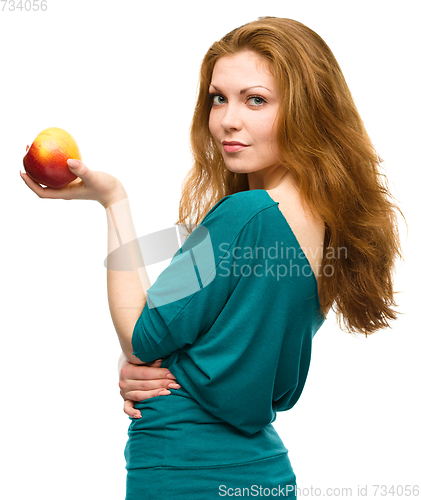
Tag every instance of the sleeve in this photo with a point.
(244, 334)
(190, 293)
(255, 358)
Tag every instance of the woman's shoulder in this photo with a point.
(240, 207)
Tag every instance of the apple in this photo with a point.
(46, 160)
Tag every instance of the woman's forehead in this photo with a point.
(244, 69)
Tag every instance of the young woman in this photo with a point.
(291, 217)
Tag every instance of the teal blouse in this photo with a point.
(235, 312)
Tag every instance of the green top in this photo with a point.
(235, 312)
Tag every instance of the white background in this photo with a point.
(121, 77)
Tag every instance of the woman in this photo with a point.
(291, 219)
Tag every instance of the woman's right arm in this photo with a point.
(140, 382)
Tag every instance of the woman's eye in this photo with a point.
(256, 101)
(217, 99)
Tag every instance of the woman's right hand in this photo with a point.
(89, 185)
(139, 382)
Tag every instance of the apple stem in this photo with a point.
(27, 147)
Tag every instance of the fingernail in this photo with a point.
(164, 393)
(73, 163)
(174, 386)
(171, 376)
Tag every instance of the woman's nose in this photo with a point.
(231, 119)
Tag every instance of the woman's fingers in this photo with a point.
(130, 371)
(77, 167)
(139, 396)
(130, 410)
(89, 185)
(46, 192)
(95, 185)
(140, 382)
(140, 389)
(127, 387)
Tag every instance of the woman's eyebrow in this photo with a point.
(244, 90)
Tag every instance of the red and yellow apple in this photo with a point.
(46, 160)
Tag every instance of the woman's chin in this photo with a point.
(238, 169)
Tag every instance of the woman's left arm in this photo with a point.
(126, 285)
(127, 280)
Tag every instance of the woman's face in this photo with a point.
(242, 120)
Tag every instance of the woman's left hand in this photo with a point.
(90, 185)
(140, 382)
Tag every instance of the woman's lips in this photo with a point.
(233, 147)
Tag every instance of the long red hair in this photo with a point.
(326, 148)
